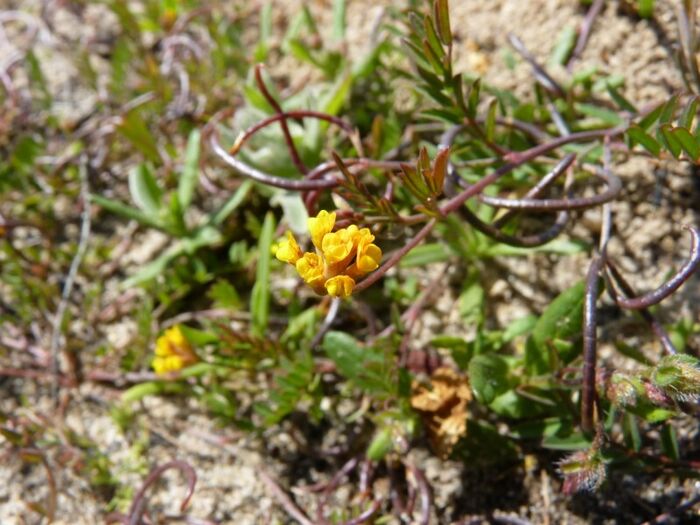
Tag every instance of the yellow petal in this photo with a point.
(164, 365)
(175, 336)
(288, 251)
(163, 348)
(321, 225)
(337, 246)
(368, 258)
(310, 267)
(340, 286)
(368, 255)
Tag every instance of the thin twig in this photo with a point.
(72, 274)
(283, 498)
(518, 158)
(366, 515)
(265, 178)
(327, 322)
(396, 257)
(296, 114)
(541, 75)
(614, 186)
(675, 282)
(283, 123)
(590, 343)
(627, 289)
(426, 500)
(663, 518)
(139, 502)
(585, 32)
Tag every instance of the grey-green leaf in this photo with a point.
(145, 191)
(260, 296)
(488, 376)
(190, 171)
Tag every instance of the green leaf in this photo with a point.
(382, 443)
(126, 211)
(260, 295)
(688, 116)
(652, 414)
(630, 428)
(296, 384)
(632, 352)
(232, 203)
(263, 46)
(687, 142)
(134, 129)
(605, 115)
(471, 302)
(435, 62)
(620, 100)
(490, 124)
(651, 117)
(669, 110)
(145, 191)
(220, 401)
(150, 388)
(448, 115)
(224, 295)
(574, 441)
(15, 438)
(488, 376)
(442, 19)
(190, 171)
(432, 38)
(559, 246)
(339, 22)
(473, 100)
(417, 54)
(561, 320)
(154, 268)
(669, 140)
(366, 367)
(37, 77)
(426, 254)
(645, 8)
(519, 327)
(513, 405)
(458, 90)
(542, 428)
(335, 99)
(127, 21)
(564, 46)
(669, 442)
(639, 136)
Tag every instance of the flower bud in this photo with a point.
(623, 391)
(583, 471)
(678, 376)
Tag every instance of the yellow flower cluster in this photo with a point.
(173, 351)
(340, 257)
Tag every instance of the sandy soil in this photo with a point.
(228, 463)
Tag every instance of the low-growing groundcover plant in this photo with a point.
(361, 195)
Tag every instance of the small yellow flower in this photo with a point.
(340, 286)
(173, 351)
(368, 255)
(338, 246)
(339, 259)
(319, 226)
(310, 267)
(288, 251)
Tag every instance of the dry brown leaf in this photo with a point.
(443, 405)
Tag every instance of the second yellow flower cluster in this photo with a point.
(173, 352)
(340, 257)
